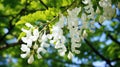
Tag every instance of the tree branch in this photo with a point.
(10, 23)
(116, 59)
(43, 4)
(3, 47)
(74, 2)
(110, 36)
(97, 53)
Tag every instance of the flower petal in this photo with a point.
(44, 44)
(24, 47)
(35, 34)
(31, 59)
(24, 39)
(35, 46)
(40, 49)
(24, 30)
(44, 37)
(28, 25)
(23, 55)
(70, 55)
(39, 56)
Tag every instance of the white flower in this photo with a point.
(49, 36)
(29, 25)
(39, 56)
(89, 9)
(31, 59)
(97, 10)
(101, 19)
(108, 10)
(105, 3)
(52, 41)
(29, 37)
(60, 23)
(84, 21)
(44, 37)
(56, 29)
(84, 34)
(57, 32)
(73, 26)
(58, 45)
(72, 17)
(27, 40)
(75, 37)
(28, 32)
(35, 46)
(39, 50)
(44, 44)
(62, 50)
(74, 46)
(83, 17)
(62, 39)
(58, 38)
(74, 12)
(70, 55)
(35, 34)
(25, 48)
(24, 30)
(85, 1)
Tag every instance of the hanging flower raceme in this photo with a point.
(58, 37)
(31, 36)
(73, 26)
(43, 45)
(36, 43)
(108, 10)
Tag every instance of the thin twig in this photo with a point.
(3, 47)
(97, 53)
(116, 59)
(43, 4)
(110, 36)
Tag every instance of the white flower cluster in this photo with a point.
(33, 38)
(35, 42)
(31, 47)
(88, 16)
(73, 27)
(108, 10)
(89, 10)
(43, 40)
(58, 38)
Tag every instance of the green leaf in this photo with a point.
(22, 34)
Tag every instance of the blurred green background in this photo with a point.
(100, 49)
